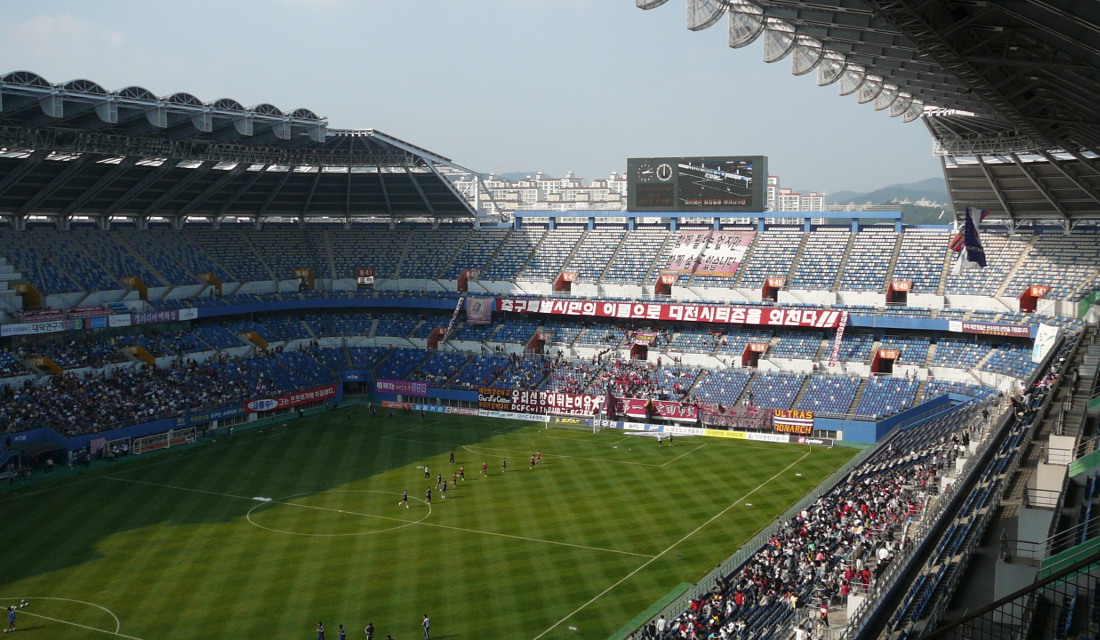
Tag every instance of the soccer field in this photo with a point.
(185, 544)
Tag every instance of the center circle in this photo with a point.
(336, 509)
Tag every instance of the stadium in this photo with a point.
(261, 376)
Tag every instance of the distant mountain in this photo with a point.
(934, 189)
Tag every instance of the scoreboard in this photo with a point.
(724, 183)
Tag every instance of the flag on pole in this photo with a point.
(972, 254)
(957, 243)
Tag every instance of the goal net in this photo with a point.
(577, 423)
(164, 440)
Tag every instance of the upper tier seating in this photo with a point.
(821, 260)
(593, 253)
(636, 257)
(869, 260)
(771, 257)
(920, 259)
(546, 263)
(514, 254)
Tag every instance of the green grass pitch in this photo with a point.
(175, 545)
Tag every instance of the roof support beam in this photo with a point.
(274, 192)
(30, 162)
(241, 190)
(215, 187)
(74, 167)
(385, 193)
(142, 185)
(1041, 187)
(115, 173)
(1064, 169)
(309, 196)
(196, 173)
(423, 197)
(997, 191)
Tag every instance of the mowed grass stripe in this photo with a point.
(214, 571)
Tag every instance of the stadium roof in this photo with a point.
(1015, 80)
(77, 149)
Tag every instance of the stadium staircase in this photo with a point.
(566, 264)
(1011, 272)
(660, 259)
(748, 260)
(843, 261)
(789, 276)
(256, 254)
(893, 264)
(373, 328)
(857, 397)
(941, 286)
(521, 267)
(401, 261)
(330, 260)
(801, 391)
(9, 298)
(614, 255)
(139, 257)
(746, 390)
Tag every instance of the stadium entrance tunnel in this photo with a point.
(883, 363)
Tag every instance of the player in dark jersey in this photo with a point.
(428, 495)
(484, 468)
(320, 631)
(452, 456)
(504, 465)
(439, 481)
(343, 634)
(444, 490)
(462, 473)
(532, 463)
(369, 631)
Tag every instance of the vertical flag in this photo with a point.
(956, 243)
(972, 254)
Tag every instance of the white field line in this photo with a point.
(670, 547)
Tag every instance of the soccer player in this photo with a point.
(444, 490)
(454, 480)
(369, 630)
(484, 468)
(439, 481)
(427, 623)
(427, 474)
(462, 473)
(538, 456)
(452, 456)
(504, 465)
(670, 439)
(404, 499)
(532, 463)
(320, 630)
(11, 619)
(428, 495)
(659, 437)
(343, 634)
(422, 415)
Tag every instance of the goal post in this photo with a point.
(163, 440)
(575, 422)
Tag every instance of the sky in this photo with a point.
(495, 85)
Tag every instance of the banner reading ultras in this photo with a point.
(793, 421)
(821, 318)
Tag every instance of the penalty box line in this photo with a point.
(671, 546)
(378, 517)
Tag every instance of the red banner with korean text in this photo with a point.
(718, 314)
(291, 399)
(555, 403)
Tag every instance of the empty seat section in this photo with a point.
(475, 253)
(829, 395)
(431, 251)
(514, 254)
(593, 253)
(884, 397)
(869, 260)
(547, 262)
(775, 390)
(920, 259)
(820, 261)
(722, 386)
(771, 258)
(636, 257)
